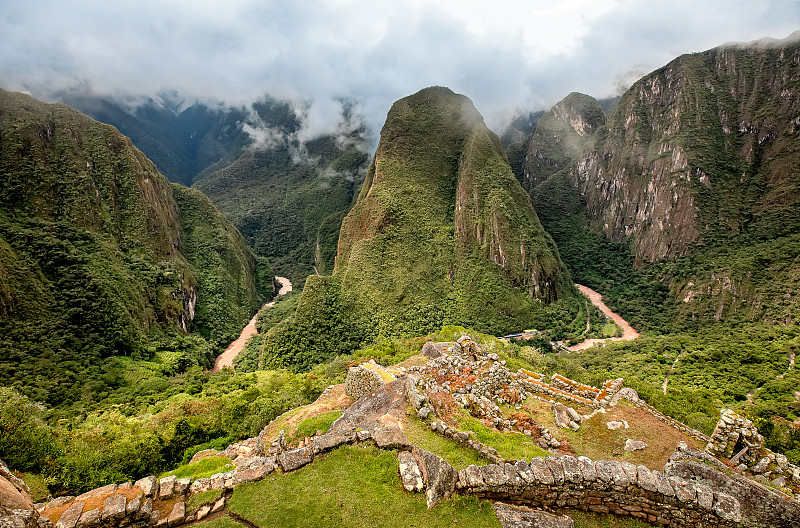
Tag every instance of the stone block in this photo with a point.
(90, 519)
(604, 471)
(114, 508)
(572, 470)
(556, 469)
(98, 492)
(646, 479)
(182, 486)
(166, 487)
(727, 508)
(524, 471)
(148, 485)
(145, 510)
(684, 489)
(294, 459)
(634, 445)
(178, 515)
(133, 506)
(705, 496)
(662, 484)
(69, 519)
(587, 468)
(440, 477)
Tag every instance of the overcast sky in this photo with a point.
(505, 55)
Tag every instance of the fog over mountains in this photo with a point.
(508, 57)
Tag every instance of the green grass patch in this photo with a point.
(204, 497)
(203, 468)
(36, 484)
(513, 446)
(310, 426)
(595, 520)
(421, 435)
(353, 486)
(220, 522)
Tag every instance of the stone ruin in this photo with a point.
(736, 439)
(694, 489)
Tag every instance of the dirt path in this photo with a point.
(628, 332)
(226, 358)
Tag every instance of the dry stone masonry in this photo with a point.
(736, 439)
(600, 486)
(694, 490)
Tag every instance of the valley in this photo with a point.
(651, 239)
(226, 358)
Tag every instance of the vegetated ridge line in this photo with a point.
(226, 358)
(628, 333)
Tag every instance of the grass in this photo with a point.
(37, 485)
(421, 435)
(513, 446)
(204, 497)
(220, 522)
(310, 426)
(597, 442)
(595, 520)
(353, 486)
(203, 468)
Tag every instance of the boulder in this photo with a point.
(410, 473)
(634, 445)
(69, 519)
(13, 497)
(433, 350)
(439, 476)
(294, 459)
(522, 517)
(613, 425)
(561, 415)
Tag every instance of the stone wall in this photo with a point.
(614, 487)
(366, 377)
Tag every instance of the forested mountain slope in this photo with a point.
(100, 256)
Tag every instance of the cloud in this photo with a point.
(505, 55)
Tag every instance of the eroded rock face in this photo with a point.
(440, 477)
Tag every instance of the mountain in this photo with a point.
(287, 196)
(181, 140)
(441, 232)
(559, 136)
(101, 256)
(696, 170)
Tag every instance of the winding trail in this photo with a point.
(226, 358)
(628, 333)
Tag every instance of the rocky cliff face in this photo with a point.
(560, 135)
(441, 216)
(697, 149)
